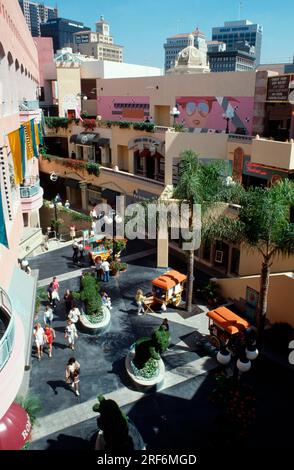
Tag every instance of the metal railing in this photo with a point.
(29, 105)
(7, 340)
(30, 190)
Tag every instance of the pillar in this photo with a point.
(162, 249)
(68, 193)
(144, 166)
(83, 187)
(131, 161)
(156, 168)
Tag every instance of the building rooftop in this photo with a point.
(197, 32)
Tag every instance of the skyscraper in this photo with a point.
(175, 44)
(243, 30)
(62, 31)
(35, 14)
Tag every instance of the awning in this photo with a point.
(85, 138)
(15, 428)
(110, 196)
(102, 142)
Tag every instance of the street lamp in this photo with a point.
(56, 202)
(115, 219)
(238, 352)
(175, 114)
(228, 116)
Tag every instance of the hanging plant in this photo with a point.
(89, 124)
(93, 168)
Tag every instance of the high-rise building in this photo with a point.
(98, 44)
(62, 31)
(175, 44)
(35, 14)
(242, 30)
(242, 59)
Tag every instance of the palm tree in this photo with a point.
(198, 184)
(264, 224)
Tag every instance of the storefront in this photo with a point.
(255, 174)
(279, 123)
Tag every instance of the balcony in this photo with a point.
(273, 153)
(7, 329)
(31, 195)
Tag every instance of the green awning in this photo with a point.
(85, 138)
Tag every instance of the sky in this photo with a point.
(143, 26)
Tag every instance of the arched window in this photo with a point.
(16, 65)
(26, 72)
(9, 59)
(2, 52)
(21, 69)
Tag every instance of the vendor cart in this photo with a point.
(168, 288)
(223, 325)
(98, 247)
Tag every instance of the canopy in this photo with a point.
(15, 428)
(169, 279)
(228, 320)
(85, 138)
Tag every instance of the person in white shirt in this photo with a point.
(48, 315)
(74, 314)
(105, 267)
(39, 339)
(71, 334)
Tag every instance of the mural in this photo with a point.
(211, 113)
(124, 108)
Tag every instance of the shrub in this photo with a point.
(144, 126)
(32, 405)
(150, 348)
(210, 293)
(41, 296)
(120, 245)
(123, 266)
(93, 168)
(114, 424)
(89, 124)
(56, 122)
(90, 296)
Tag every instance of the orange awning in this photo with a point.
(228, 320)
(168, 280)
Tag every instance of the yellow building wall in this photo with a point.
(280, 298)
(251, 262)
(69, 87)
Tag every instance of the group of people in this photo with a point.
(102, 269)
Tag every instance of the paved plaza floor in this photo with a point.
(179, 415)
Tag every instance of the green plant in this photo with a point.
(150, 348)
(115, 266)
(93, 168)
(90, 296)
(210, 293)
(56, 223)
(120, 245)
(179, 128)
(123, 266)
(32, 404)
(114, 424)
(143, 126)
(41, 296)
(89, 124)
(57, 122)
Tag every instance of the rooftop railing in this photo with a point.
(7, 340)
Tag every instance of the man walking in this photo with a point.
(105, 267)
(75, 247)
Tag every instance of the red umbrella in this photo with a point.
(15, 428)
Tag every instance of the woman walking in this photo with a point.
(74, 314)
(72, 374)
(48, 316)
(49, 334)
(71, 334)
(39, 339)
(68, 299)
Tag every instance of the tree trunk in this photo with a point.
(263, 295)
(190, 280)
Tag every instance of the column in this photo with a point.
(156, 167)
(162, 249)
(68, 193)
(83, 187)
(131, 161)
(144, 166)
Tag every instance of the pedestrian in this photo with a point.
(71, 334)
(140, 301)
(106, 300)
(72, 374)
(98, 267)
(164, 325)
(39, 339)
(55, 284)
(75, 247)
(46, 241)
(55, 298)
(81, 251)
(105, 268)
(50, 291)
(48, 315)
(49, 336)
(68, 299)
(74, 314)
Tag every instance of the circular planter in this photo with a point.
(140, 382)
(95, 328)
(133, 432)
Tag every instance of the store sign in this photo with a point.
(278, 88)
(254, 169)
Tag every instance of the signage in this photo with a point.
(254, 169)
(238, 164)
(278, 88)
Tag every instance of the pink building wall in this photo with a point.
(123, 108)
(45, 55)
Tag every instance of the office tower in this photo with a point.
(62, 31)
(35, 14)
(175, 44)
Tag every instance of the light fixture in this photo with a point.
(224, 356)
(251, 353)
(244, 364)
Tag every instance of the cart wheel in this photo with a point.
(177, 302)
(214, 340)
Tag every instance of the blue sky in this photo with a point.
(142, 26)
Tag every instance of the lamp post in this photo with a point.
(175, 114)
(113, 218)
(239, 352)
(228, 116)
(56, 202)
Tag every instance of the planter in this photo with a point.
(141, 383)
(133, 432)
(95, 328)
